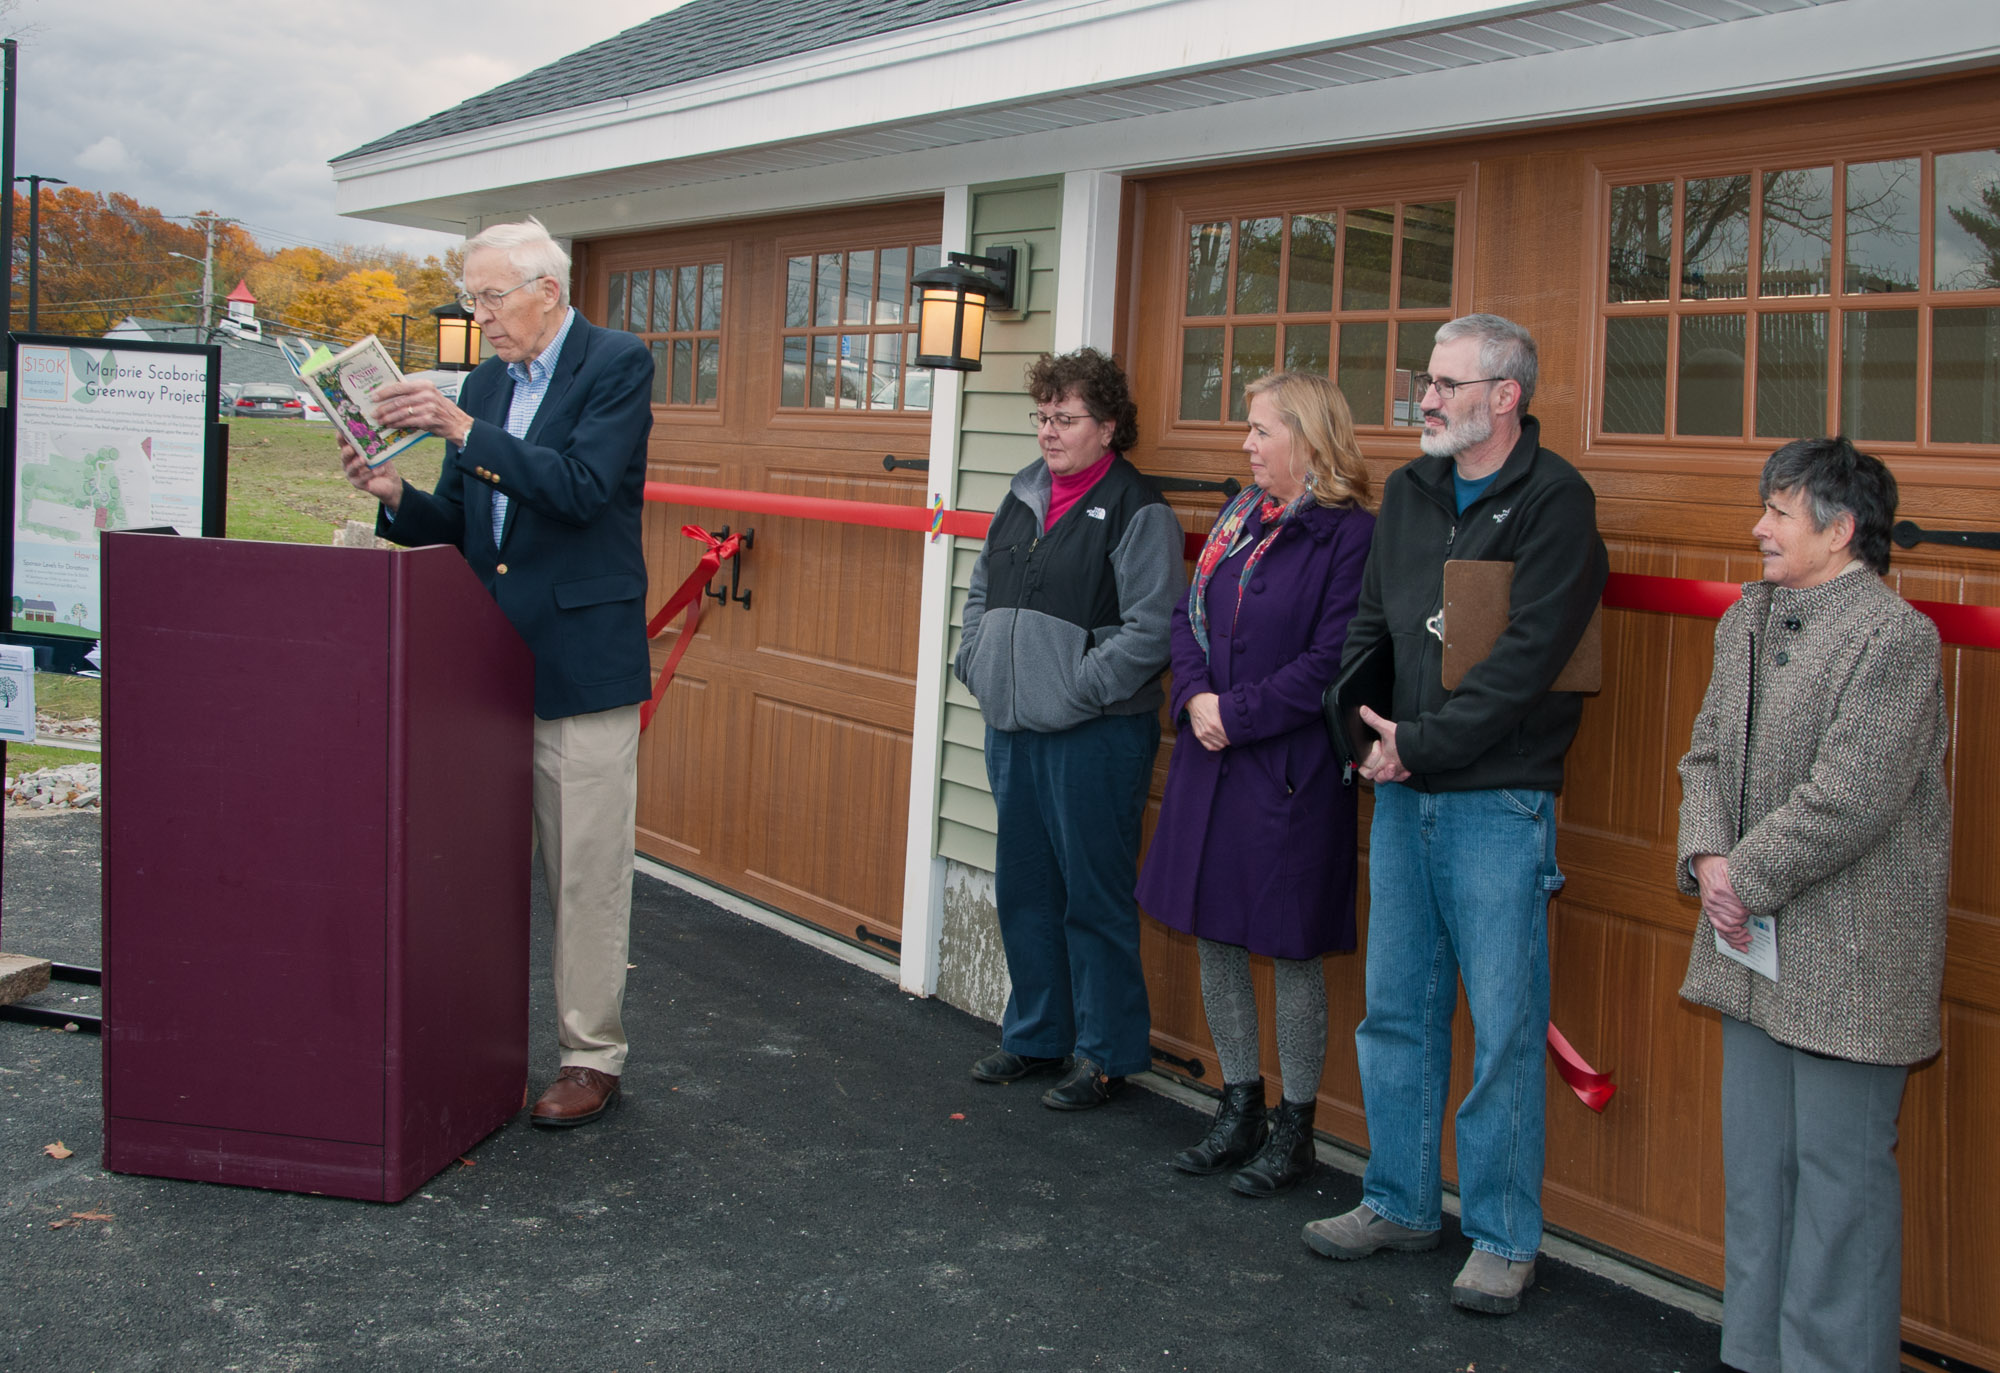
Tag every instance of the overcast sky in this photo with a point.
(236, 105)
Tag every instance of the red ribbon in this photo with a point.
(1592, 1088)
(688, 598)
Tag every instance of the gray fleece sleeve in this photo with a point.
(1151, 577)
(975, 608)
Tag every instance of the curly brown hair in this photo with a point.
(1098, 381)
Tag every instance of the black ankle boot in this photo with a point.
(1287, 1155)
(1237, 1131)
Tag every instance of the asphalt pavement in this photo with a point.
(802, 1176)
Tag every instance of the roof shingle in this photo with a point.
(700, 39)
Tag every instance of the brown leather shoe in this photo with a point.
(577, 1097)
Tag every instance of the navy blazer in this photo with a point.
(569, 570)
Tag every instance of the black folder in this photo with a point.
(1370, 680)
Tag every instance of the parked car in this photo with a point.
(314, 410)
(261, 398)
(225, 404)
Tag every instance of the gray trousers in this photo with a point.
(1813, 1258)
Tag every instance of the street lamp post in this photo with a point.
(403, 343)
(35, 184)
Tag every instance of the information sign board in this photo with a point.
(102, 434)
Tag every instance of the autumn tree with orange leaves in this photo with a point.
(104, 257)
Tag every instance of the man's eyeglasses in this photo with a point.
(1446, 387)
(491, 299)
(1061, 421)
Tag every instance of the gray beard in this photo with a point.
(1454, 439)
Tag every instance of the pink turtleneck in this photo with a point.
(1067, 488)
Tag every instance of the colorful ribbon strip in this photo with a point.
(1969, 626)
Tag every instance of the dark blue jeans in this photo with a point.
(1067, 858)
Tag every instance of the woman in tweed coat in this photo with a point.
(1813, 793)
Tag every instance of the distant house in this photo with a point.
(42, 612)
(245, 357)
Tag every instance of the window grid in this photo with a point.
(1875, 345)
(848, 333)
(677, 309)
(1369, 347)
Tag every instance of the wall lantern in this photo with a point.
(458, 338)
(955, 303)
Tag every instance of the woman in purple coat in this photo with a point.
(1255, 847)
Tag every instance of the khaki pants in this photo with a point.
(586, 809)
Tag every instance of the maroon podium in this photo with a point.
(316, 863)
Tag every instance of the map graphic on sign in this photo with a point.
(98, 484)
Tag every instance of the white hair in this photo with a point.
(530, 251)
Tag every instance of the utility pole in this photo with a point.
(208, 223)
(35, 184)
(7, 180)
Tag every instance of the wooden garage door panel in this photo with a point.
(839, 600)
(835, 856)
(679, 821)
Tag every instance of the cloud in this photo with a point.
(107, 154)
(236, 107)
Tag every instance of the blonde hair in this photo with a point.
(1317, 414)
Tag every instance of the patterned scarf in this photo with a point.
(1223, 537)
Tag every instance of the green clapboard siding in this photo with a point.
(994, 442)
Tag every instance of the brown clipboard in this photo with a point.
(1477, 602)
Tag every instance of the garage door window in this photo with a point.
(678, 310)
(1805, 297)
(850, 328)
(1355, 292)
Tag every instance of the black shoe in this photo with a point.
(1287, 1156)
(1083, 1087)
(1001, 1066)
(1233, 1139)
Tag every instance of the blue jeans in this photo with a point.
(1458, 884)
(1065, 866)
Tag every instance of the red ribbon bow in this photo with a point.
(688, 598)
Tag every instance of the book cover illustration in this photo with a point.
(346, 383)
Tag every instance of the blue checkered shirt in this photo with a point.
(531, 383)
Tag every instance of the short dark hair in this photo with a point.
(1099, 382)
(1838, 478)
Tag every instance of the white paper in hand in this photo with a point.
(1762, 955)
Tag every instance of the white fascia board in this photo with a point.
(1851, 43)
(991, 59)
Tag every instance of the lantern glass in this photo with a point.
(458, 342)
(951, 329)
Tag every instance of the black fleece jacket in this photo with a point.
(1503, 727)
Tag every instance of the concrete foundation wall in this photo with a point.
(972, 967)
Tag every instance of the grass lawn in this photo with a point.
(68, 698)
(285, 484)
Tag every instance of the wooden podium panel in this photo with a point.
(316, 863)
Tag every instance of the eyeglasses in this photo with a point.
(1062, 422)
(1446, 388)
(491, 299)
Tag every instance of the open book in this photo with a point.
(346, 383)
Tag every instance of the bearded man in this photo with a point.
(1462, 850)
